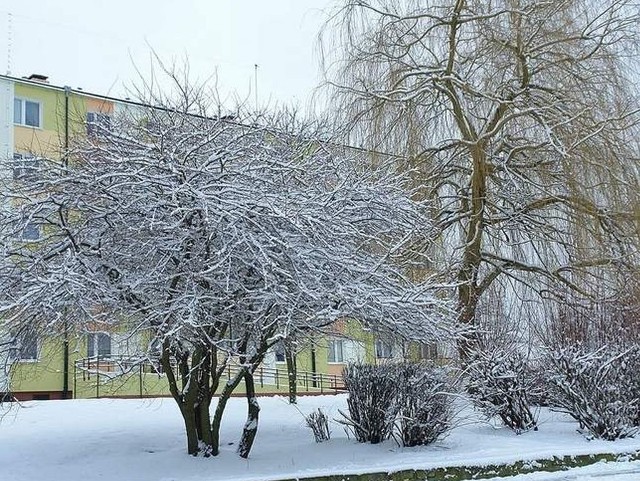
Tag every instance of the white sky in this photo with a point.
(94, 44)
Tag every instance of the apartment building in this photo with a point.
(39, 119)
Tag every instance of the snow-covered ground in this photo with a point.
(143, 440)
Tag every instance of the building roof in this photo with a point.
(38, 80)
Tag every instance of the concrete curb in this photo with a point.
(460, 473)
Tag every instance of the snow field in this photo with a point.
(143, 440)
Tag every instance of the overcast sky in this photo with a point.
(95, 44)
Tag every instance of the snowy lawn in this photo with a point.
(140, 440)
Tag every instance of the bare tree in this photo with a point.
(520, 120)
(214, 239)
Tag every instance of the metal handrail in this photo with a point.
(114, 366)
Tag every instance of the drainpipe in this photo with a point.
(65, 163)
(314, 382)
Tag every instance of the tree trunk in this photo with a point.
(205, 391)
(217, 416)
(472, 256)
(467, 304)
(193, 399)
(189, 417)
(253, 411)
(203, 426)
(292, 375)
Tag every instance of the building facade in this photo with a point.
(40, 120)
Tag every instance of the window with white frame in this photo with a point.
(25, 166)
(98, 344)
(26, 346)
(27, 112)
(336, 350)
(384, 349)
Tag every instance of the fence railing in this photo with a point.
(98, 372)
(305, 380)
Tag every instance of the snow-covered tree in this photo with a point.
(214, 238)
(519, 117)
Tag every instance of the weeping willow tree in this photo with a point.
(520, 119)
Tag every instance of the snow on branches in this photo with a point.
(214, 238)
(412, 402)
(521, 121)
(599, 388)
(501, 383)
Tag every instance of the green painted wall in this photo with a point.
(45, 374)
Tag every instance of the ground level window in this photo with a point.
(26, 345)
(30, 232)
(383, 349)
(428, 351)
(98, 344)
(25, 166)
(336, 350)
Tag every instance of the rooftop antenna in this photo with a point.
(9, 40)
(255, 79)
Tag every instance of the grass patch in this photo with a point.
(460, 473)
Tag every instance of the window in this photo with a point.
(428, 351)
(279, 351)
(383, 349)
(25, 166)
(26, 347)
(336, 351)
(27, 112)
(98, 123)
(98, 344)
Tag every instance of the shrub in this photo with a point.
(319, 424)
(424, 404)
(371, 402)
(411, 400)
(500, 383)
(600, 388)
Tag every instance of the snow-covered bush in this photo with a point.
(500, 382)
(592, 361)
(424, 404)
(372, 401)
(411, 401)
(319, 424)
(599, 388)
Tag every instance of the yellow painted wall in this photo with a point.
(48, 141)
